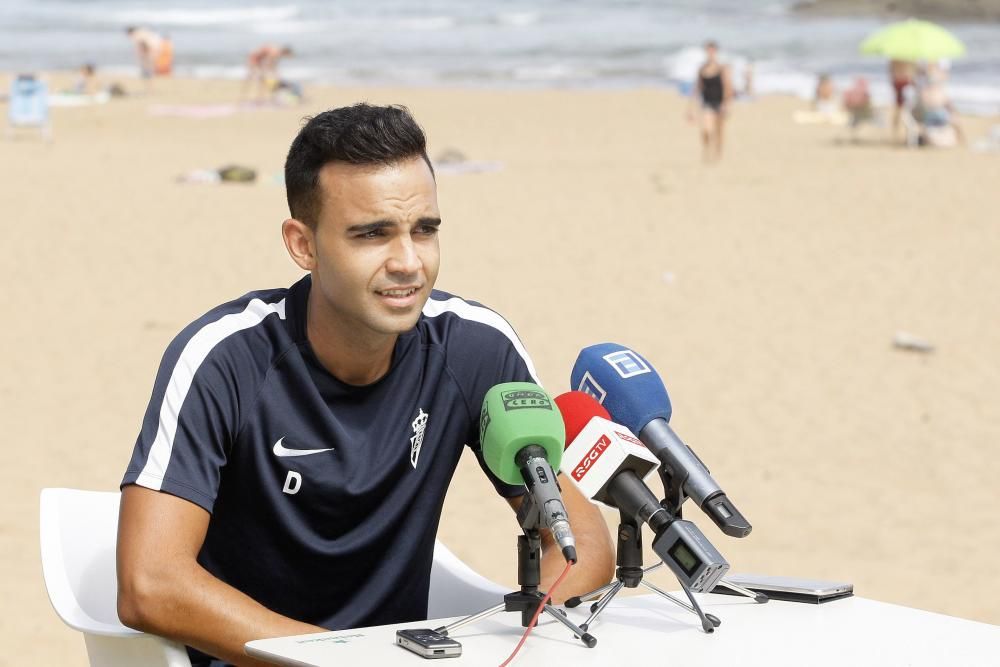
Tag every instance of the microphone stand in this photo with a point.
(674, 497)
(527, 598)
(629, 575)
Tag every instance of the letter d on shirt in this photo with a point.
(292, 483)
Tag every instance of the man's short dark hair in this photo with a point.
(362, 134)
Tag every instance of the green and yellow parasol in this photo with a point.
(913, 40)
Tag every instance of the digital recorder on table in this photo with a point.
(428, 643)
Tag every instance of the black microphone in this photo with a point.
(628, 387)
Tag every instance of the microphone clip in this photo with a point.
(673, 492)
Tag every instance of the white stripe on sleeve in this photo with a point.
(194, 353)
(467, 311)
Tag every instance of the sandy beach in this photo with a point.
(766, 290)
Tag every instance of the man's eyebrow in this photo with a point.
(384, 224)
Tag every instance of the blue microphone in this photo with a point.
(630, 389)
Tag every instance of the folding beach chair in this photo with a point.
(28, 105)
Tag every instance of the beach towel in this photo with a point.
(78, 99)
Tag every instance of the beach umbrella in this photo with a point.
(913, 40)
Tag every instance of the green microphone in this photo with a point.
(523, 438)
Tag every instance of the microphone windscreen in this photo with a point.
(577, 410)
(515, 415)
(623, 382)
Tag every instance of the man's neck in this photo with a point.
(353, 359)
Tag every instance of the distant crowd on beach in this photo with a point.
(29, 97)
(922, 112)
(155, 56)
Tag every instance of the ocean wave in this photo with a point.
(204, 17)
(288, 27)
(428, 23)
(518, 19)
(550, 72)
(975, 99)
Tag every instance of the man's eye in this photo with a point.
(372, 234)
(427, 229)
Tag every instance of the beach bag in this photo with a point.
(234, 173)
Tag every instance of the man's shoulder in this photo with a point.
(245, 310)
(446, 316)
(249, 320)
(470, 332)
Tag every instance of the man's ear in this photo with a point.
(300, 242)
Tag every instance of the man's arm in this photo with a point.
(596, 565)
(163, 590)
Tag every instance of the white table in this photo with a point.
(645, 629)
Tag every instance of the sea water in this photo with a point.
(494, 43)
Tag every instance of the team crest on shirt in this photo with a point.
(417, 440)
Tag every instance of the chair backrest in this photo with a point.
(457, 589)
(79, 531)
(28, 103)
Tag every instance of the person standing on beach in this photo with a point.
(262, 68)
(293, 461)
(154, 52)
(711, 94)
(902, 75)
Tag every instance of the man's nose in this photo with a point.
(404, 258)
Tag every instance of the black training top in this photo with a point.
(325, 497)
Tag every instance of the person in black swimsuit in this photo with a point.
(713, 90)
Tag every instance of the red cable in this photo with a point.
(534, 619)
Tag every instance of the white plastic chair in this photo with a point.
(457, 589)
(79, 531)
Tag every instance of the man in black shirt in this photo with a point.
(293, 461)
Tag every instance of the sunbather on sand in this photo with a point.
(935, 112)
(262, 68)
(858, 105)
(825, 99)
(86, 83)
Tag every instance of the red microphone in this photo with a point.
(578, 409)
(605, 459)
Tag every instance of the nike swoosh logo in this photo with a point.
(281, 450)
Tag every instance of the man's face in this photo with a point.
(375, 246)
